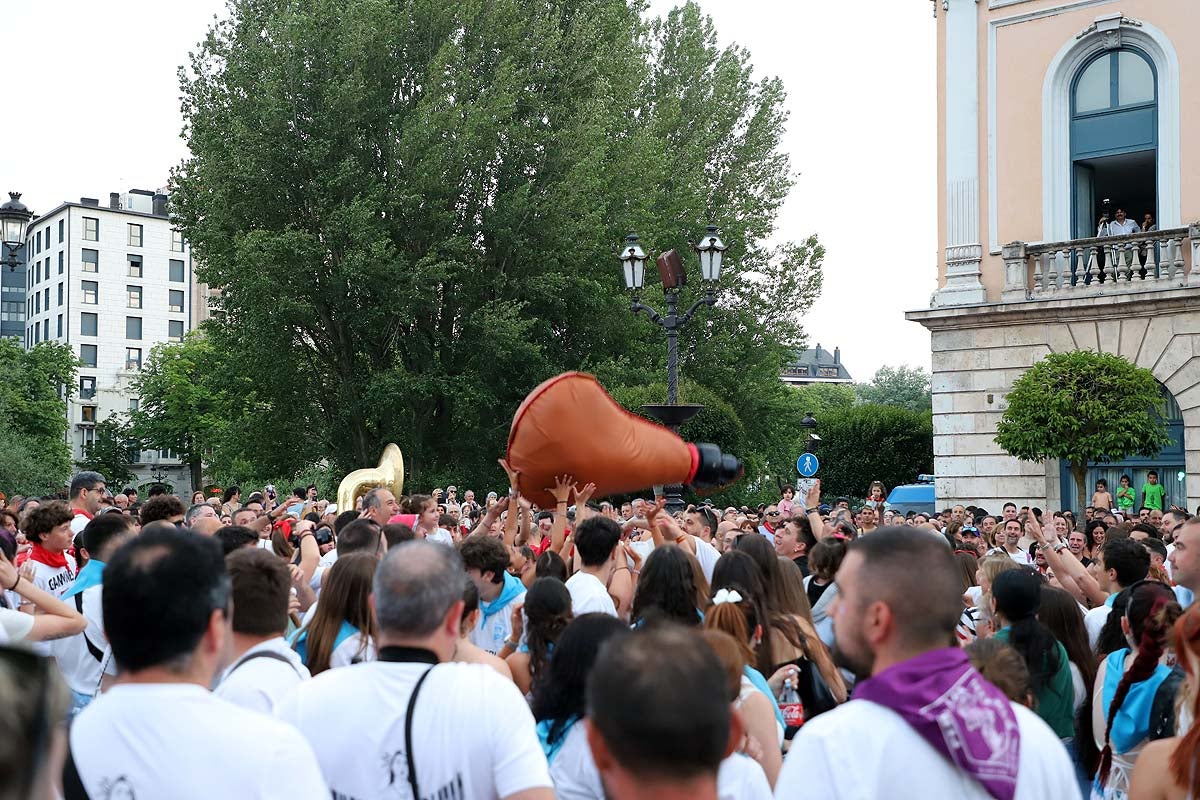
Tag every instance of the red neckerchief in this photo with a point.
(58, 560)
(79, 512)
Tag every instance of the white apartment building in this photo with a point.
(112, 282)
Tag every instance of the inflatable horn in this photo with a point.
(389, 474)
(570, 426)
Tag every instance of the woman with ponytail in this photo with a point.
(1166, 769)
(1134, 700)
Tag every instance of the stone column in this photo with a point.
(963, 251)
(1193, 278)
(1015, 289)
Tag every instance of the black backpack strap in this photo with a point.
(408, 741)
(96, 652)
(72, 784)
(262, 654)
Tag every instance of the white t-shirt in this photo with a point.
(352, 651)
(79, 522)
(259, 682)
(491, 630)
(473, 735)
(742, 778)
(706, 554)
(55, 581)
(80, 668)
(573, 771)
(1094, 621)
(177, 740)
(889, 759)
(589, 595)
(14, 625)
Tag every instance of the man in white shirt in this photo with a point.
(48, 527)
(410, 724)
(923, 722)
(264, 669)
(486, 559)
(159, 732)
(1011, 543)
(1119, 564)
(87, 490)
(1120, 225)
(596, 541)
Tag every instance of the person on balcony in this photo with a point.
(1120, 225)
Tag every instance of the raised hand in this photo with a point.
(583, 495)
(514, 475)
(812, 500)
(562, 488)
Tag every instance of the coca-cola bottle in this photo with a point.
(792, 708)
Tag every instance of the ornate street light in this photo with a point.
(633, 259)
(710, 247)
(14, 220)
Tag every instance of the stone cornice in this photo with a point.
(1124, 305)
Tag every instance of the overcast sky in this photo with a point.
(101, 114)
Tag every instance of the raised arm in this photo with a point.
(812, 506)
(1068, 568)
(562, 493)
(53, 619)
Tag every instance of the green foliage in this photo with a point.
(412, 209)
(873, 443)
(903, 386)
(33, 417)
(109, 453)
(1082, 407)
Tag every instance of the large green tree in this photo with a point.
(903, 386)
(1082, 407)
(870, 442)
(109, 452)
(412, 208)
(35, 385)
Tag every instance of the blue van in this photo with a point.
(913, 497)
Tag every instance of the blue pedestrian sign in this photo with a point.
(807, 465)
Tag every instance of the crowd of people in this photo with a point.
(436, 646)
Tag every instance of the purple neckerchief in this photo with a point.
(956, 710)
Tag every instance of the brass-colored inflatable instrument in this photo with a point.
(389, 474)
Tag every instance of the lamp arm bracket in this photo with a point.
(638, 307)
(709, 299)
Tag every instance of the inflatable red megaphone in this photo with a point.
(570, 426)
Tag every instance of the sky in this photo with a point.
(101, 114)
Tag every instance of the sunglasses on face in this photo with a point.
(772, 514)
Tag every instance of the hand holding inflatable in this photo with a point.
(569, 425)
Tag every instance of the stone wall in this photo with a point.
(978, 351)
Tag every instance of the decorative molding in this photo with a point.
(1110, 28)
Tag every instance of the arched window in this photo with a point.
(1114, 137)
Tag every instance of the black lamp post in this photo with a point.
(710, 248)
(810, 425)
(14, 220)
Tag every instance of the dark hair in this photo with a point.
(666, 589)
(360, 536)
(736, 568)
(710, 519)
(1017, 594)
(235, 537)
(486, 554)
(1146, 528)
(416, 503)
(1111, 638)
(764, 555)
(470, 600)
(547, 614)
(162, 506)
(658, 699)
(559, 692)
(1153, 472)
(1152, 612)
(1089, 532)
(228, 494)
(102, 530)
(261, 587)
(1155, 546)
(1003, 667)
(84, 481)
(550, 565)
(156, 490)
(826, 558)
(345, 589)
(160, 589)
(926, 602)
(1130, 560)
(343, 519)
(395, 533)
(805, 533)
(40, 521)
(595, 539)
(1060, 613)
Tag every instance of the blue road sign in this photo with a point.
(808, 464)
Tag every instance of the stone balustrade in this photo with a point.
(1138, 262)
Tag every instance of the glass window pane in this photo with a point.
(1093, 89)
(1135, 79)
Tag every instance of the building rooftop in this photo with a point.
(817, 365)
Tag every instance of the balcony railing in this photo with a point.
(1137, 262)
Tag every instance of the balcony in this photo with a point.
(1112, 266)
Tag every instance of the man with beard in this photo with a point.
(923, 721)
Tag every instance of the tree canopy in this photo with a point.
(1082, 407)
(870, 442)
(412, 209)
(35, 457)
(902, 386)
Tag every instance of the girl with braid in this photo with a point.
(1134, 698)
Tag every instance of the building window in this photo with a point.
(135, 235)
(87, 414)
(166, 454)
(91, 292)
(176, 270)
(37, 302)
(46, 330)
(39, 242)
(87, 438)
(133, 358)
(133, 328)
(88, 324)
(60, 262)
(175, 301)
(135, 266)
(60, 294)
(11, 311)
(61, 228)
(60, 333)
(87, 354)
(37, 272)
(176, 241)
(175, 330)
(133, 296)
(91, 260)
(91, 229)
(87, 387)
(134, 405)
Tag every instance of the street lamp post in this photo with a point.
(14, 220)
(710, 248)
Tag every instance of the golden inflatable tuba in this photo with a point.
(389, 474)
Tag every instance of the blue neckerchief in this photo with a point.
(543, 731)
(1185, 596)
(88, 577)
(299, 641)
(761, 684)
(1132, 723)
(512, 588)
(1110, 599)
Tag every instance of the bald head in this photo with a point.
(416, 586)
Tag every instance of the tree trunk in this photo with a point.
(197, 470)
(1079, 471)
